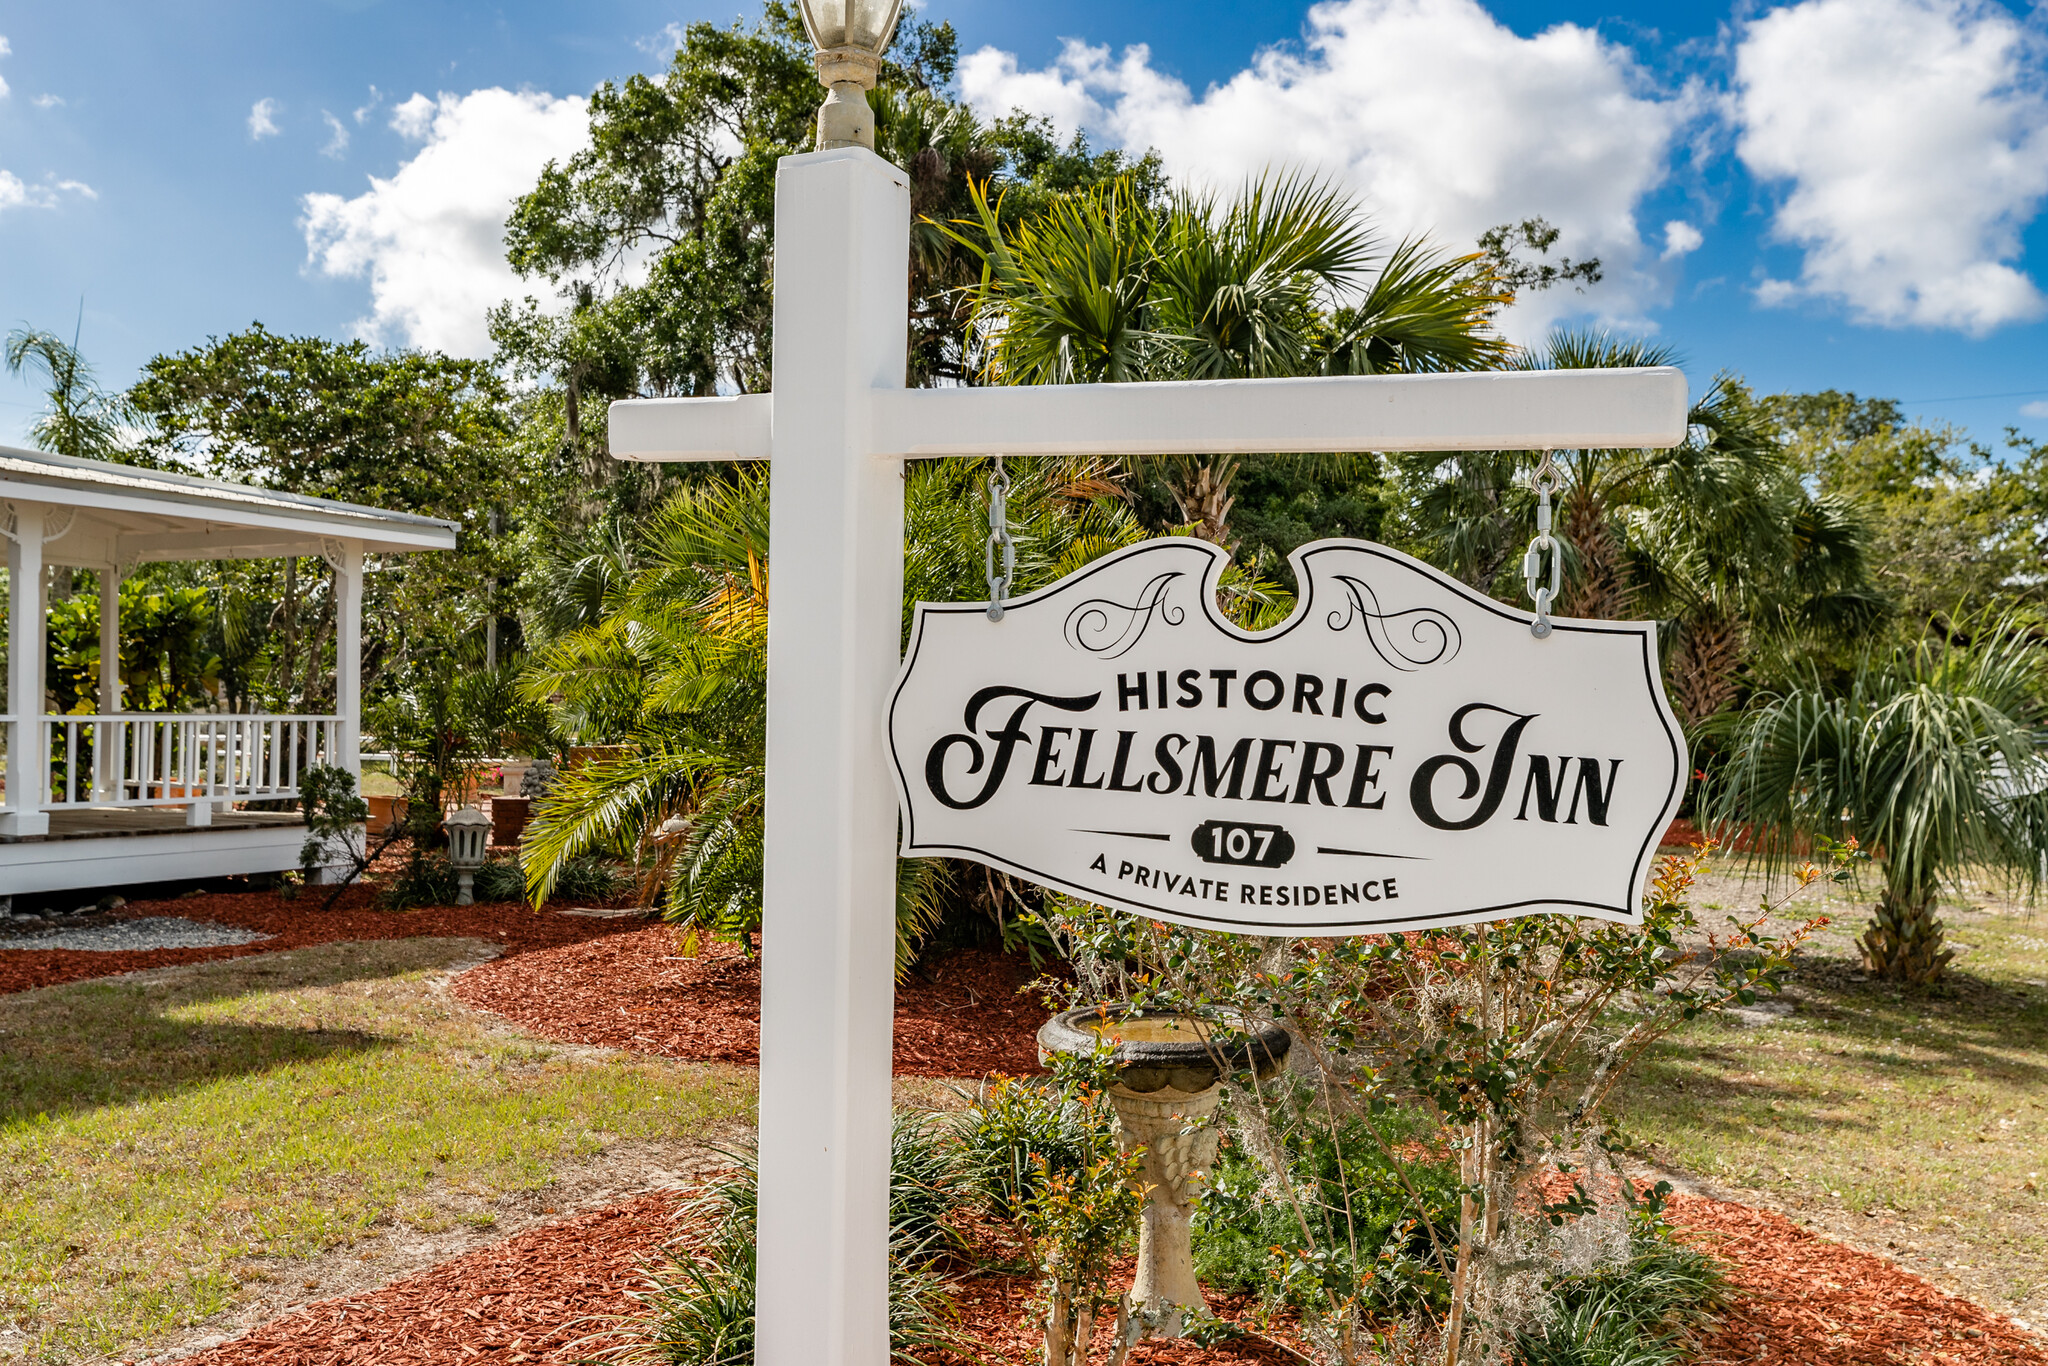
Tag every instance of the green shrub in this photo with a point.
(424, 880)
(1016, 1135)
(1245, 1239)
(1645, 1311)
(588, 879)
(697, 1305)
(500, 880)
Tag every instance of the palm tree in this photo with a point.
(80, 420)
(674, 665)
(1285, 278)
(1931, 761)
(1717, 536)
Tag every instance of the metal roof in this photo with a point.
(39, 476)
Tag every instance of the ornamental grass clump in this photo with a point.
(1505, 1039)
(697, 1299)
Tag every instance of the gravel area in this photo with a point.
(141, 935)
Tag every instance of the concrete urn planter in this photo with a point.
(1170, 1067)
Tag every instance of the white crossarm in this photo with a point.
(1493, 410)
(734, 428)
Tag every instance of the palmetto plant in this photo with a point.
(1284, 278)
(674, 667)
(1931, 761)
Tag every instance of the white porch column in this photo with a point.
(107, 744)
(348, 658)
(28, 772)
(842, 223)
(110, 639)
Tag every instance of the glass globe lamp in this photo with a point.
(851, 36)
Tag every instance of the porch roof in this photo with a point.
(124, 514)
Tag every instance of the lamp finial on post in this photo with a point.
(851, 36)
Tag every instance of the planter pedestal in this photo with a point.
(1170, 1069)
(1176, 1130)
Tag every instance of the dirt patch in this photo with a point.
(960, 1016)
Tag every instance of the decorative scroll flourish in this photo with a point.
(1431, 636)
(1109, 629)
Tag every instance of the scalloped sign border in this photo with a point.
(1400, 753)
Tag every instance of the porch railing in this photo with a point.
(168, 759)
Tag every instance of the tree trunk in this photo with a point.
(1602, 590)
(1703, 666)
(1903, 942)
(1201, 490)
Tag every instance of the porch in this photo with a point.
(121, 796)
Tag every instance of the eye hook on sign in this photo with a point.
(1545, 480)
(999, 539)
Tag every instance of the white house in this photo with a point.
(123, 796)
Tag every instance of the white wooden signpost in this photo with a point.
(837, 427)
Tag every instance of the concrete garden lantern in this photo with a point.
(469, 832)
(1169, 1067)
(851, 36)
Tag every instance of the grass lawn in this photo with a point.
(166, 1136)
(1911, 1123)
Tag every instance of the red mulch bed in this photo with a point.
(960, 1016)
(522, 1300)
(589, 980)
(1808, 1302)
(1803, 1302)
(298, 923)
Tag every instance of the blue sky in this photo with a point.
(1855, 185)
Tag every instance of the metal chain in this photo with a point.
(1546, 479)
(999, 538)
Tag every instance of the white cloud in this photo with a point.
(664, 44)
(1913, 136)
(16, 193)
(263, 119)
(47, 101)
(2035, 409)
(6, 48)
(1441, 117)
(1681, 239)
(414, 118)
(376, 98)
(431, 239)
(337, 140)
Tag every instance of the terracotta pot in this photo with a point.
(508, 819)
(386, 814)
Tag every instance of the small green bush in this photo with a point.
(1645, 1311)
(424, 880)
(698, 1307)
(1245, 1239)
(588, 879)
(500, 880)
(1015, 1136)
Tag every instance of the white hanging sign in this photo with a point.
(1400, 753)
